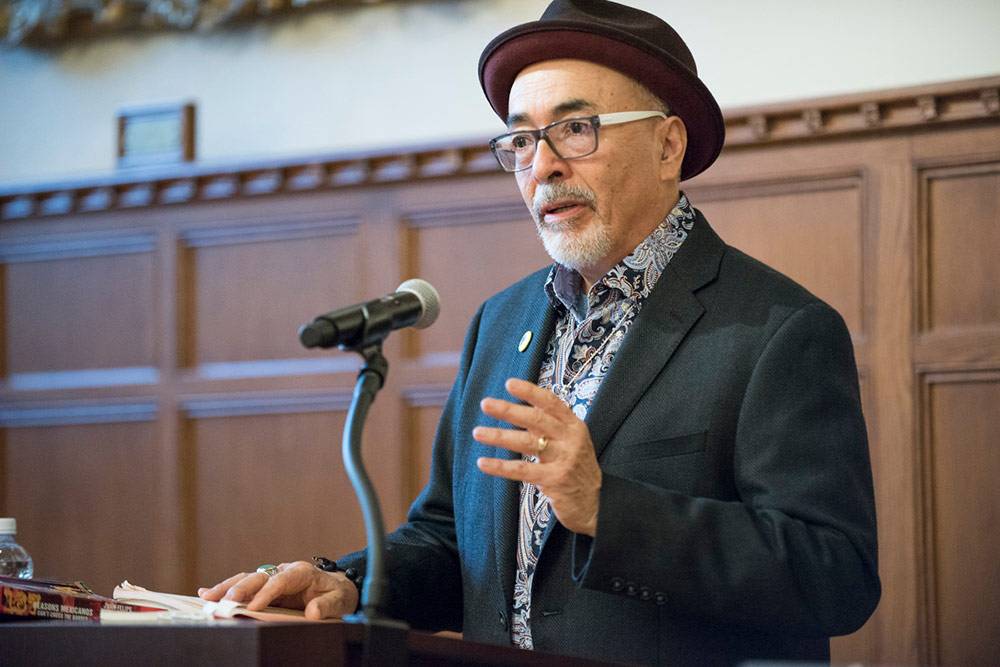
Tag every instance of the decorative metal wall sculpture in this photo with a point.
(49, 22)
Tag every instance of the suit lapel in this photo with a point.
(670, 311)
(538, 317)
(665, 319)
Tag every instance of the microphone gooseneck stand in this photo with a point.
(371, 379)
(384, 637)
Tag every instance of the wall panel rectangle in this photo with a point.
(811, 231)
(243, 294)
(85, 499)
(264, 487)
(468, 259)
(71, 313)
(961, 235)
(962, 462)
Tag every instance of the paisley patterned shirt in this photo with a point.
(589, 331)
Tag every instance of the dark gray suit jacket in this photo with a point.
(736, 516)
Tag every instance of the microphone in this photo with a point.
(415, 303)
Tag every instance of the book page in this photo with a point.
(192, 607)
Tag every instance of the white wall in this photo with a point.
(406, 73)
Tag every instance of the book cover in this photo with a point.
(58, 600)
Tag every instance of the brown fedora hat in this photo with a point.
(629, 40)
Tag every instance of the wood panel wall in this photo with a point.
(161, 423)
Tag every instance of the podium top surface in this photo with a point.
(237, 643)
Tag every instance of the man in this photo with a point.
(682, 475)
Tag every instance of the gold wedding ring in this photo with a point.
(269, 570)
(542, 443)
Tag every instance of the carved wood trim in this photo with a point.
(51, 22)
(911, 107)
(973, 100)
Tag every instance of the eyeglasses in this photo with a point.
(568, 139)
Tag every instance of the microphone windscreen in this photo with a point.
(430, 301)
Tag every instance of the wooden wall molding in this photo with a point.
(261, 403)
(799, 182)
(268, 368)
(55, 247)
(911, 108)
(908, 108)
(82, 378)
(923, 503)
(426, 396)
(67, 413)
(957, 349)
(503, 211)
(304, 228)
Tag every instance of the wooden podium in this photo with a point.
(241, 643)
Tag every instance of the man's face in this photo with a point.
(590, 211)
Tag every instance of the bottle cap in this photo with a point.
(8, 525)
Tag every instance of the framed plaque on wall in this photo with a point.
(156, 134)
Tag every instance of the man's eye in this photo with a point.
(521, 141)
(577, 127)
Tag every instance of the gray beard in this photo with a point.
(573, 248)
(577, 249)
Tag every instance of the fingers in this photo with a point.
(545, 413)
(520, 471)
(223, 588)
(522, 442)
(289, 581)
(296, 586)
(543, 399)
(527, 417)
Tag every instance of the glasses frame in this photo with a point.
(598, 121)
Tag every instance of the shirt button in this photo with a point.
(631, 589)
(660, 598)
(503, 620)
(617, 584)
(645, 593)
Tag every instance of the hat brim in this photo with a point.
(689, 98)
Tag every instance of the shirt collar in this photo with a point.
(633, 277)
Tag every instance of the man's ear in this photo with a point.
(672, 140)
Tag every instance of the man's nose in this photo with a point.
(547, 166)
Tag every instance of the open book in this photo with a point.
(188, 608)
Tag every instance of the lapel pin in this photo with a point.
(525, 341)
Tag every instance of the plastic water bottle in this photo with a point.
(14, 560)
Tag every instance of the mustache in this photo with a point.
(546, 193)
